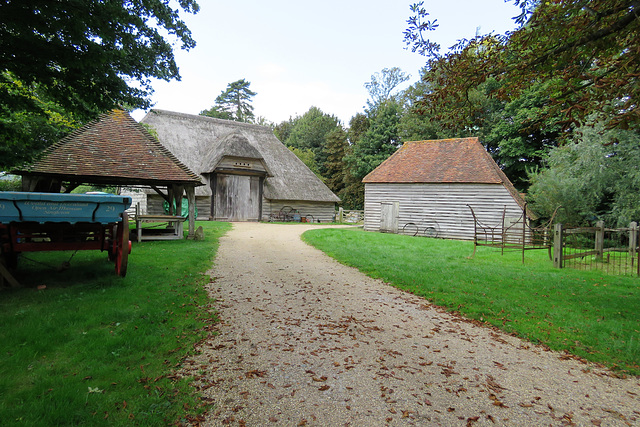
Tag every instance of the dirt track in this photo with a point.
(304, 340)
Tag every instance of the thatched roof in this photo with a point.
(113, 149)
(201, 142)
(232, 145)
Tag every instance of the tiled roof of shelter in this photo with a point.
(461, 160)
(113, 149)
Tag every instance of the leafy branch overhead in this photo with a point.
(590, 49)
(62, 62)
(89, 56)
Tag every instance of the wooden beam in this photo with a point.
(6, 275)
(191, 199)
(164, 196)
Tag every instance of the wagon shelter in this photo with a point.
(113, 150)
(431, 184)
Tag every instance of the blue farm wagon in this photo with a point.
(33, 222)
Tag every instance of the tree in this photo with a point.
(283, 129)
(520, 133)
(379, 141)
(383, 84)
(587, 48)
(309, 132)
(217, 112)
(24, 132)
(594, 177)
(308, 158)
(234, 103)
(335, 167)
(352, 195)
(89, 56)
(63, 62)
(417, 123)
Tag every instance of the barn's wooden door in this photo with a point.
(389, 217)
(236, 198)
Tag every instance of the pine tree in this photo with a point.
(234, 103)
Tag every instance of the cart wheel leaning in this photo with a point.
(122, 246)
(432, 229)
(410, 229)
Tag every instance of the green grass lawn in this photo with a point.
(92, 348)
(589, 314)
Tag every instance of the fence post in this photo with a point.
(557, 246)
(340, 214)
(599, 239)
(633, 241)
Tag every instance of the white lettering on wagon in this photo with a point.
(57, 209)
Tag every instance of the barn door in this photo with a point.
(389, 217)
(236, 198)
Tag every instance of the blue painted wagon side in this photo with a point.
(58, 207)
(33, 222)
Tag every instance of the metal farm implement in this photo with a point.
(34, 222)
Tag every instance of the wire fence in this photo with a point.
(610, 250)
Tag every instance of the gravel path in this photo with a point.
(304, 340)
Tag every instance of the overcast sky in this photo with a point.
(299, 53)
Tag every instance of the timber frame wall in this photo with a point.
(323, 211)
(444, 203)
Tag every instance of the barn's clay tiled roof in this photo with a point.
(461, 160)
(113, 147)
(442, 161)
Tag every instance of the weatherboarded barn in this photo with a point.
(427, 182)
(249, 173)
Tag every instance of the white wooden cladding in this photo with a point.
(322, 211)
(444, 203)
(155, 206)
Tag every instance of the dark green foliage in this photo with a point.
(63, 62)
(89, 56)
(309, 132)
(594, 177)
(335, 166)
(234, 103)
(28, 123)
(588, 48)
(520, 133)
(380, 140)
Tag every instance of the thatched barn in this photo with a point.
(430, 184)
(249, 174)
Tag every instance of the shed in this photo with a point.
(248, 173)
(114, 150)
(433, 182)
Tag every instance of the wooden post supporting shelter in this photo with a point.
(191, 198)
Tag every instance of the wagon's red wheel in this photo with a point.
(123, 246)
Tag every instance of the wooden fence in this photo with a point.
(350, 216)
(612, 250)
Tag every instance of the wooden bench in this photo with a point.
(172, 231)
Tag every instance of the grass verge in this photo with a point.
(589, 314)
(95, 349)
